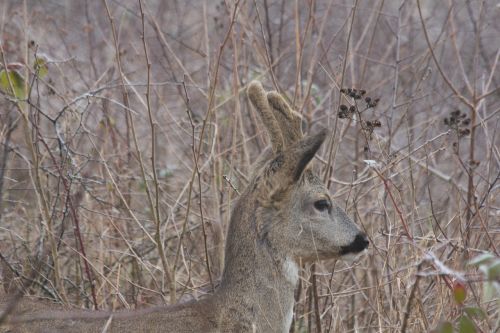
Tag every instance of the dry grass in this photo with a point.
(119, 172)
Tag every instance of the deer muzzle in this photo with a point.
(359, 244)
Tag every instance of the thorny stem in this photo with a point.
(125, 96)
(443, 75)
(211, 98)
(130, 122)
(315, 296)
(155, 210)
(331, 153)
(410, 299)
(76, 221)
(195, 157)
(267, 47)
(473, 109)
(35, 176)
(11, 125)
(400, 214)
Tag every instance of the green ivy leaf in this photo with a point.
(494, 271)
(459, 292)
(475, 312)
(41, 67)
(444, 327)
(17, 83)
(465, 325)
(489, 291)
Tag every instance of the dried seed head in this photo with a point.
(464, 132)
(343, 111)
(342, 114)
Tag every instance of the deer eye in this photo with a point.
(322, 205)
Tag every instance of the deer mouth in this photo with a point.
(359, 244)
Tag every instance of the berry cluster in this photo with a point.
(354, 93)
(458, 122)
(371, 103)
(349, 111)
(346, 112)
(373, 123)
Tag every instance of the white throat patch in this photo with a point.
(288, 320)
(291, 271)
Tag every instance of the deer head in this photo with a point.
(295, 212)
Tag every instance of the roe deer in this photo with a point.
(284, 214)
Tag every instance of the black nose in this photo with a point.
(359, 244)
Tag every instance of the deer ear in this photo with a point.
(301, 153)
(287, 167)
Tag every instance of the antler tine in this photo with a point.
(289, 120)
(259, 99)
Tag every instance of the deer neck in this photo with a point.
(261, 278)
